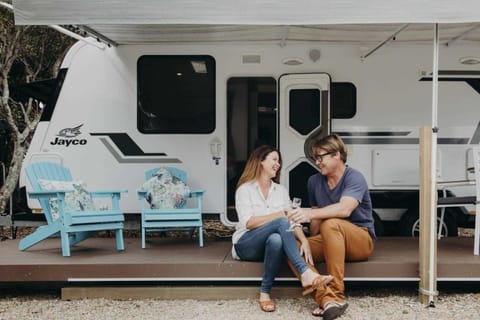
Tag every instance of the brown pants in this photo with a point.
(339, 241)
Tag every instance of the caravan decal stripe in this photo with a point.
(126, 145)
(372, 133)
(474, 83)
(137, 160)
(476, 135)
(401, 140)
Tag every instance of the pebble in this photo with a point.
(374, 304)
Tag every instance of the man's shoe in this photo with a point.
(333, 310)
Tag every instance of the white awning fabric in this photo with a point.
(244, 12)
(327, 21)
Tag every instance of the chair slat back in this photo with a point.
(180, 174)
(476, 168)
(46, 171)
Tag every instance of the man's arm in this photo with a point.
(341, 209)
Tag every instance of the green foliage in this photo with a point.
(39, 49)
(27, 53)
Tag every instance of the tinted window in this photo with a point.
(176, 94)
(343, 100)
(304, 110)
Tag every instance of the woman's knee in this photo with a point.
(274, 241)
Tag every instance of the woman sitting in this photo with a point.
(262, 231)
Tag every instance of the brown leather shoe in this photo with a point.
(333, 310)
(267, 306)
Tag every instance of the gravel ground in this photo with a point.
(375, 304)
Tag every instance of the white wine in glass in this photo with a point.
(296, 203)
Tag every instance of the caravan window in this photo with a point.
(176, 94)
(343, 100)
(304, 110)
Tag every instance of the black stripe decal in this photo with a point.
(126, 145)
(141, 160)
(474, 83)
(401, 140)
(372, 133)
(476, 135)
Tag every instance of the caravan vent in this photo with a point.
(251, 58)
(292, 61)
(469, 60)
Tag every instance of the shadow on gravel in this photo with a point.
(52, 290)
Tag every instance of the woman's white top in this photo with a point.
(249, 202)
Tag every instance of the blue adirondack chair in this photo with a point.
(73, 226)
(184, 218)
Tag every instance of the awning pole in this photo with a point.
(381, 44)
(433, 183)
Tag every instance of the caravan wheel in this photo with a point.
(410, 224)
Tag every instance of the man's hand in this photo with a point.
(300, 215)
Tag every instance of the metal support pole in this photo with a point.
(428, 242)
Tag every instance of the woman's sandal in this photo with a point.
(317, 312)
(317, 283)
(267, 306)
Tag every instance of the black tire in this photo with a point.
(409, 224)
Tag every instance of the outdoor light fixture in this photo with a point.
(216, 150)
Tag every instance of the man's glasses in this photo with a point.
(319, 157)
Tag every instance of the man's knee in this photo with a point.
(329, 224)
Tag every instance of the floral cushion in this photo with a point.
(165, 191)
(79, 200)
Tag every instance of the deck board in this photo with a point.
(176, 260)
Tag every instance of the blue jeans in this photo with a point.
(269, 243)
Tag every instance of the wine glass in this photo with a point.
(296, 203)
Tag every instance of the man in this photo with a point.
(341, 221)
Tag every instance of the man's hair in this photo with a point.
(331, 143)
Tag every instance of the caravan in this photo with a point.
(204, 106)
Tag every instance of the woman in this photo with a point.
(261, 232)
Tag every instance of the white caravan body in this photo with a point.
(100, 91)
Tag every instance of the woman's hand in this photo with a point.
(306, 252)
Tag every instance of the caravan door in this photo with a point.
(304, 101)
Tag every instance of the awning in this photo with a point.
(327, 21)
(245, 12)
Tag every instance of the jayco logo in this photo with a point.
(66, 137)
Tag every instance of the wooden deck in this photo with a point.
(182, 260)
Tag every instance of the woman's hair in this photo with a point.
(332, 143)
(253, 167)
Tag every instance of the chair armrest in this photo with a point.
(455, 183)
(141, 194)
(196, 193)
(45, 194)
(106, 193)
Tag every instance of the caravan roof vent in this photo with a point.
(469, 60)
(251, 58)
(292, 61)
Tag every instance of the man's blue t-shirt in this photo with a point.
(352, 184)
